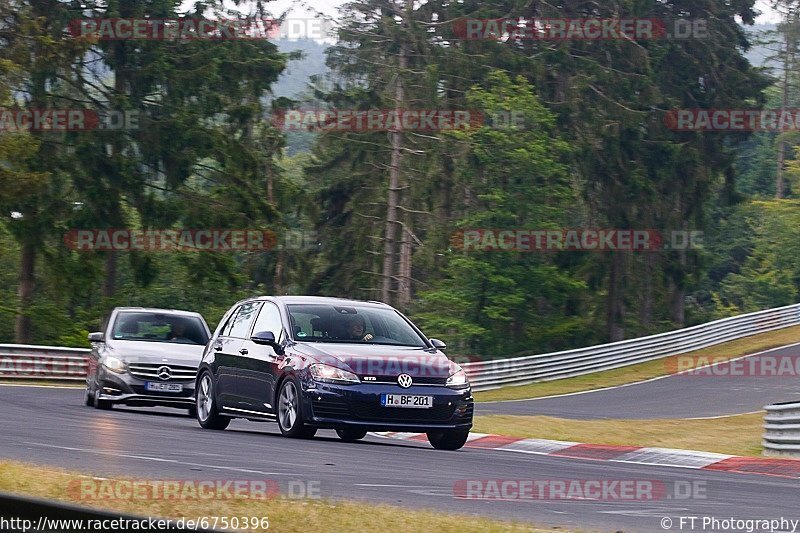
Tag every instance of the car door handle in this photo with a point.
(218, 347)
(243, 351)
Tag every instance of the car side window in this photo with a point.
(226, 329)
(240, 327)
(269, 319)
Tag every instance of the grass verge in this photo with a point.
(643, 371)
(734, 435)
(298, 516)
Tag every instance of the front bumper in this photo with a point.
(128, 390)
(328, 405)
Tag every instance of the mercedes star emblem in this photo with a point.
(164, 373)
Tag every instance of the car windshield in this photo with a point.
(159, 327)
(352, 324)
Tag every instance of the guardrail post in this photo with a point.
(782, 429)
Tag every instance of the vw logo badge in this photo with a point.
(404, 380)
(164, 373)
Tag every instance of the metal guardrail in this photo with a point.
(23, 361)
(487, 375)
(19, 361)
(25, 514)
(782, 429)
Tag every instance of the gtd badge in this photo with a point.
(405, 381)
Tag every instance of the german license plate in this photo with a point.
(407, 400)
(163, 387)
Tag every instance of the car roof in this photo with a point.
(322, 300)
(157, 310)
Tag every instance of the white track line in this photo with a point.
(34, 385)
(721, 416)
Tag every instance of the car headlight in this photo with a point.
(331, 374)
(114, 364)
(458, 380)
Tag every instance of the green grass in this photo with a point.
(284, 515)
(643, 371)
(734, 435)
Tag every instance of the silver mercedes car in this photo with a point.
(146, 357)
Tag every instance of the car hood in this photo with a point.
(156, 352)
(379, 360)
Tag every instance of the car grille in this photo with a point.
(418, 380)
(330, 408)
(149, 371)
(366, 410)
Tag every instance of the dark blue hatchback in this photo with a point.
(311, 362)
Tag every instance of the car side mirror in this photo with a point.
(267, 338)
(439, 345)
(97, 336)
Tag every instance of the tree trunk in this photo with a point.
(677, 307)
(23, 332)
(277, 280)
(112, 258)
(110, 281)
(394, 190)
(616, 305)
(646, 280)
(404, 278)
(788, 61)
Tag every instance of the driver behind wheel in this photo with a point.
(357, 329)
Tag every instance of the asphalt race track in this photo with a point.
(51, 426)
(717, 392)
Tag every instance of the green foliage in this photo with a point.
(489, 301)
(769, 274)
(592, 152)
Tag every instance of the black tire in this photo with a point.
(206, 405)
(448, 440)
(290, 415)
(88, 397)
(351, 435)
(105, 405)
